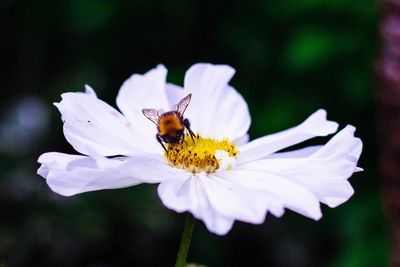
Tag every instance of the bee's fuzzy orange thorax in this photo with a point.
(169, 123)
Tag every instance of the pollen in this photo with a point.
(199, 154)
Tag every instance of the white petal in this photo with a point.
(315, 125)
(339, 159)
(73, 174)
(68, 175)
(343, 143)
(216, 201)
(231, 118)
(144, 91)
(225, 161)
(242, 140)
(280, 191)
(324, 172)
(149, 168)
(238, 202)
(89, 90)
(216, 109)
(189, 195)
(298, 153)
(91, 124)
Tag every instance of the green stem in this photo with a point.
(185, 241)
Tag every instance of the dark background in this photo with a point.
(291, 57)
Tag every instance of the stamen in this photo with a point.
(199, 154)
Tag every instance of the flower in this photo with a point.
(218, 176)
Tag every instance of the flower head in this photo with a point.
(215, 174)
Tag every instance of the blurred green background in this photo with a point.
(291, 57)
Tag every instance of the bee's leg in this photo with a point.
(184, 141)
(159, 139)
(187, 125)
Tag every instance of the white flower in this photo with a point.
(248, 179)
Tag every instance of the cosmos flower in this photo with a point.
(218, 176)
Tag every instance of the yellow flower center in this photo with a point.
(199, 154)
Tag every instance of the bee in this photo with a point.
(171, 125)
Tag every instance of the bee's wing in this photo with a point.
(182, 105)
(151, 114)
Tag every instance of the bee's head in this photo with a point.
(175, 138)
